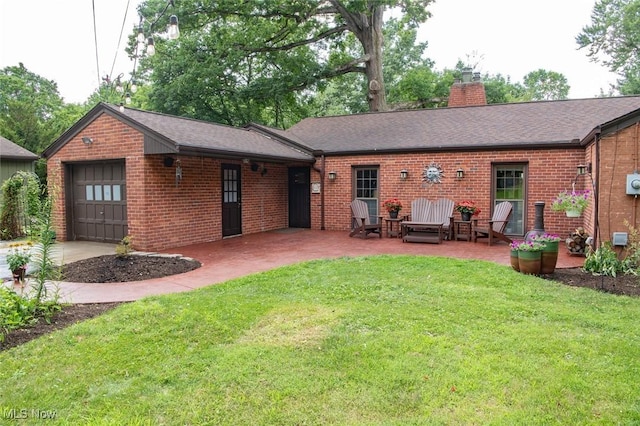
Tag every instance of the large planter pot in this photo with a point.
(514, 260)
(549, 258)
(466, 216)
(529, 262)
(18, 274)
(572, 213)
(393, 214)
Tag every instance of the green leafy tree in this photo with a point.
(613, 39)
(235, 60)
(499, 90)
(546, 85)
(404, 68)
(28, 104)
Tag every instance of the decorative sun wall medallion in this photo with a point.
(432, 173)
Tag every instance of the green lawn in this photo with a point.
(378, 340)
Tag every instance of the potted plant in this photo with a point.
(549, 252)
(393, 206)
(529, 256)
(17, 260)
(467, 209)
(573, 202)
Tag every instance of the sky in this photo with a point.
(55, 39)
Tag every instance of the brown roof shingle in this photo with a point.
(14, 151)
(490, 126)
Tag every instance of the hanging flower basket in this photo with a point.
(573, 213)
(573, 203)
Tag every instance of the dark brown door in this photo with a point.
(299, 197)
(231, 200)
(99, 201)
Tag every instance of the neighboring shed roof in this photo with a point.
(184, 135)
(546, 123)
(10, 150)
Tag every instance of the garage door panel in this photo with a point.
(99, 201)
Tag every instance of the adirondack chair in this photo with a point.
(442, 212)
(496, 226)
(361, 222)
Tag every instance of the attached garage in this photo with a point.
(169, 181)
(98, 201)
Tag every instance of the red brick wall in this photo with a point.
(467, 94)
(111, 140)
(619, 156)
(160, 214)
(549, 172)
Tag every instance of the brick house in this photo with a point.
(169, 181)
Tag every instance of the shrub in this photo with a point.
(604, 261)
(124, 248)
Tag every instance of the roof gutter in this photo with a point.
(238, 154)
(574, 143)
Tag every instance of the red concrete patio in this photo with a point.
(236, 257)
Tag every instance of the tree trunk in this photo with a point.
(367, 27)
(372, 41)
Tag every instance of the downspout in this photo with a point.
(321, 170)
(596, 188)
(635, 170)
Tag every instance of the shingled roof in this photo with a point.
(10, 150)
(171, 134)
(528, 124)
(503, 126)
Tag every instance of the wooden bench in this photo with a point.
(430, 222)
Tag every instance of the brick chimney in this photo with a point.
(469, 91)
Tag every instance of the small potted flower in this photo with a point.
(573, 203)
(467, 209)
(393, 206)
(549, 252)
(529, 256)
(17, 260)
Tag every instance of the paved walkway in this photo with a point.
(236, 257)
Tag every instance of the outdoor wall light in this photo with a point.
(168, 161)
(87, 140)
(584, 168)
(333, 175)
(404, 174)
(460, 173)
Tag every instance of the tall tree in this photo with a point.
(237, 58)
(613, 39)
(546, 85)
(28, 107)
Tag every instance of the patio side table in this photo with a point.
(393, 227)
(462, 230)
